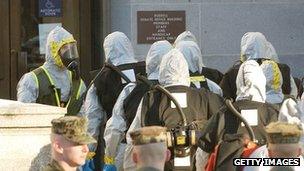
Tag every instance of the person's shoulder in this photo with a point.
(272, 107)
(52, 166)
(105, 77)
(28, 77)
(37, 71)
(261, 152)
(100, 73)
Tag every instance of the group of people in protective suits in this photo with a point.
(122, 96)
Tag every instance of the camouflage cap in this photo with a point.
(73, 128)
(283, 133)
(149, 134)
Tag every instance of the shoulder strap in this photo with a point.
(150, 109)
(76, 100)
(144, 80)
(45, 83)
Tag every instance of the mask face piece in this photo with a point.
(68, 53)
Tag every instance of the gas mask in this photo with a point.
(70, 58)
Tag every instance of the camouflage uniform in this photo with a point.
(278, 133)
(283, 133)
(73, 129)
(53, 166)
(148, 135)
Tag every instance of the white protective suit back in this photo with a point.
(173, 69)
(192, 54)
(251, 82)
(60, 75)
(293, 112)
(155, 54)
(274, 81)
(271, 53)
(290, 112)
(185, 36)
(253, 46)
(118, 49)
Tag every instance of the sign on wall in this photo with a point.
(49, 8)
(159, 25)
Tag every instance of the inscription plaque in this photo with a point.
(153, 26)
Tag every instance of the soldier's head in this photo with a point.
(283, 139)
(150, 147)
(69, 140)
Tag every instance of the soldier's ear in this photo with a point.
(57, 147)
(299, 151)
(270, 154)
(168, 155)
(135, 157)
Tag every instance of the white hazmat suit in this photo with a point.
(255, 46)
(274, 81)
(194, 58)
(250, 82)
(173, 71)
(118, 50)
(116, 125)
(27, 88)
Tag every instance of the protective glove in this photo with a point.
(109, 164)
(109, 167)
